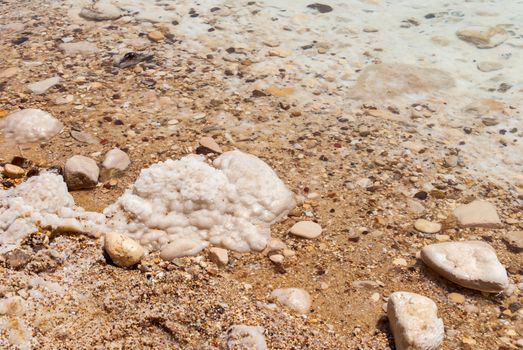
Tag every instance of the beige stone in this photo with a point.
(124, 251)
(477, 214)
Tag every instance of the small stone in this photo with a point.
(296, 299)
(9, 72)
(155, 35)
(101, 11)
(219, 256)
(246, 337)
(477, 214)
(515, 238)
(42, 86)
(124, 251)
(277, 259)
(13, 171)
(399, 262)
(375, 297)
(468, 341)
(17, 259)
(365, 284)
(471, 264)
(81, 47)
(114, 164)
(426, 226)
(280, 52)
(62, 100)
(456, 298)
(321, 8)
(306, 229)
(414, 322)
(275, 245)
(84, 137)
(489, 66)
(182, 247)
(519, 343)
(81, 172)
(209, 144)
(442, 238)
(483, 37)
(451, 161)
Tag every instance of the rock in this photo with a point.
(519, 343)
(219, 256)
(81, 47)
(84, 137)
(9, 72)
(515, 238)
(30, 125)
(101, 11)
(182, 247)
(399, 262)
(275, 244)
(306, 229)
(296, 299)
(17, 259)
(81, 172)
(414, 322)
(477, 214)
(242, 337)
(155, 35)
(489, 66)
(277, 259)
(483, 37)
(209, 145)
(124, 251)
(456, 298)
(382, 81)
(365, 284)
(426, 226)
(471, 264)
(114, 164)
(451, 161)
(62, 100)
(321, 8)
(13, 171)
(42, 86)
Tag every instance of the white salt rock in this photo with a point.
(477, 214)
(231, 205)
(414, 322)
(471, 264)
(182, 247)
(426, 226)
(42, 86)
(306, 229)
(81, 47)
(219, 256)
(296, 299)
(42, 201)
(30, 125)
(242, 337)
(116, 159)
(81, 172)
(124, 251)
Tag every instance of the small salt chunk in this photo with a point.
(182, 247)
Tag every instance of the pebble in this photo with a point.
(365, 284)
(477, 214)
(426, 226)
(81, 172)
(399, 262)
(124, 251)
(489, 66)
(471, 264)
(9, 72)
(246, 337)
(42, 86)
(519, 343)
(414, 322)
(101, 11)
(155, 35)
(277, 258)
(456, 298)
(116, 159)
(13, 171)
(84, 137)
(483, 37)
(296, 299)
(81, 47)
(306, 229)
(219, 256)
(515, 238)
(62, 100)
(182, 247)
(209, 144)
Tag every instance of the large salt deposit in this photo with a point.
(30, 125)
(231, 204)
(41, 201)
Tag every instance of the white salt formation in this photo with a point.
(231, 204)
(30, 125)
(41, 201)
(414, 322)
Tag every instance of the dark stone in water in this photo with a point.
(322, 8)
